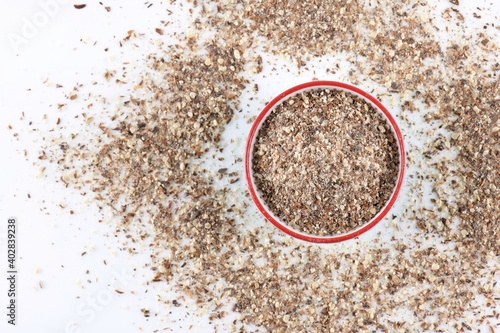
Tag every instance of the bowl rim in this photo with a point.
(260, 203)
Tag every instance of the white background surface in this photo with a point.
(54, 292)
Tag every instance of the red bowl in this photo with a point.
(260, 203)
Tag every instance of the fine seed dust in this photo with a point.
(325, 161)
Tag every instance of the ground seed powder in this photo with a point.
(437, 273)
(325, 161)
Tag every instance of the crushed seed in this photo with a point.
(441, 278)
(325, 161)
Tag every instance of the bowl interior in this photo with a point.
(257, 197)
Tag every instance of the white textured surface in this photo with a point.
(67, 49)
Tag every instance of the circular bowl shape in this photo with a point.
(249, 150)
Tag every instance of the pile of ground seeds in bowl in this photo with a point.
(438, 272)
(325, 161)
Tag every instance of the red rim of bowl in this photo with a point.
(259, 202)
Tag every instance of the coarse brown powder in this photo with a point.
(325, 161)
(431, 281)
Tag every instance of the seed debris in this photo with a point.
(327, 161)
(277, 284)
